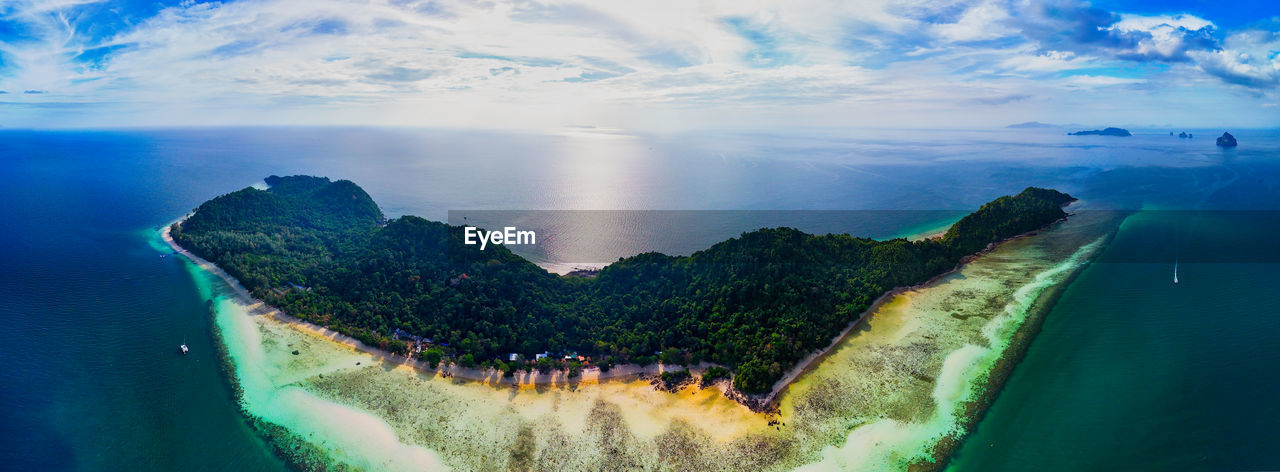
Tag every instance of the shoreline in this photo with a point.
(929, 235)
(906, 412)
(769, 402)
(629, 383)
(766, 403)
(1013, 355)
(531, 379)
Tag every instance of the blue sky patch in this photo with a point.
(528, 61)
(1124, 72)
(96, 58)
(236, 48)
(592, 76)
(766, 51)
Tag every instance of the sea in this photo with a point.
(1129, 371)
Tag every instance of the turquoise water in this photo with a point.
(90, 317)
(1133, 372)
(90, 323)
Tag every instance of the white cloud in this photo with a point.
(1051, 61)
(463, 63)
(984, 21)
(1166, 36)
(1250, 58)
(1160, 22)
(1100, 81)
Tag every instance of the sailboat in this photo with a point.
(1175, 271)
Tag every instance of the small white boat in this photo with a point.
(1175, 271)
(183, 347)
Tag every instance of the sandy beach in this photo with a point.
(768, 401)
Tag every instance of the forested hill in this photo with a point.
(757, 304)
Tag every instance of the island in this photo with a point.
(753, 306)
(1102, 132)
(1227, 140)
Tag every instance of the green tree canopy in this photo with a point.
(320, 250)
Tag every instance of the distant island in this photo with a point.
(1103, 132)
(322, 251)
(1227, 140)
(1031, 125)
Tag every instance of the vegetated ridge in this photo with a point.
(756, 304)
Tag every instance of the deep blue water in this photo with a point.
(90, 316)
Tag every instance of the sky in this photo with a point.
(652, 65)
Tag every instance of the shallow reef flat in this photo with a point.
(896, 393)
(900, 390)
